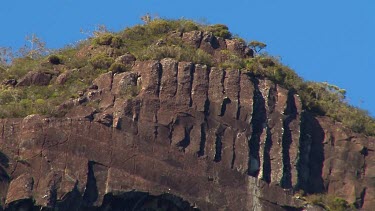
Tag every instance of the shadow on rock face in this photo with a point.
(133, 200)
(144, 201)
(22, 205)
(310, 166)
(4, 161)
(316, 158)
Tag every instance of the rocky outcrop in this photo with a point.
(219, 139)
(35, 78)
(63, 77)
(218, 47)
(9, 82)
(126, 59)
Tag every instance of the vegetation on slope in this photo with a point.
(330, 202)
(153, 40)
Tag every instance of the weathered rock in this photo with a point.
(104, 81)
(63, 77)
(126, 59)
(218, 139)
(93, 87)
(81, 112)
(20, 188)
(104, 118)
(168, 90)
(199, 92)
(185, 80)
(209, 43)
(175, 34)
(193, 38)
(239, 48)
(35, 78)
(125, 84)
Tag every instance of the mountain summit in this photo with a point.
(173, 115)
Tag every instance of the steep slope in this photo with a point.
(218, 138)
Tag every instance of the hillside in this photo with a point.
(183, 110)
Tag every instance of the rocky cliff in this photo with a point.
(204, 138)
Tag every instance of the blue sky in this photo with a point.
(321, 40)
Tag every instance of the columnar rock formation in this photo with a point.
(219, 139)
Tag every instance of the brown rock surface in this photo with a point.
(239, 48)
(35, 78)
(63, 77)
(193, 38)
(219, 139)
(126, 59)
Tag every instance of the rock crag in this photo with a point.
(218, 139)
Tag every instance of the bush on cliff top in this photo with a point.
(330, 202)
(219, 30)
(177, 52)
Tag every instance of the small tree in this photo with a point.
(36, 47)
(257, 46)
(6, 56)
(99, 30)
(335, 90)
(146, 18)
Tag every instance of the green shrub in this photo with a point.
(116, 42)
(201, 57)
(54, 59)
(187, 26)
(266, 62)
(101, 61)
(232, 60)
(77, 62)
(161, 26)
(330, 202)
(220, 30)
(21, 66)
(138, 38)
(103, 39)
(69, 56)
(118, 68)
(108, 39)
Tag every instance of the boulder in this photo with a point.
(20, 188)
(126, 59)
(123, 83)
(35, 78)
(104, 81)
(81, 112)
(193, 38)
(104, 118)
(239, 48)
(209, 43)
(63, 77)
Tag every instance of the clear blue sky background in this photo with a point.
(323, 40)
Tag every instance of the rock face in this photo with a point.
(35, 78)
(218, 139)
